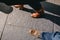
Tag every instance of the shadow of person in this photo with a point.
(54, 19)
(50, 7)
(28, 10)
(55, 9)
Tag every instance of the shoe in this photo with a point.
(38, 13)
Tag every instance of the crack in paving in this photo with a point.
(4, 27)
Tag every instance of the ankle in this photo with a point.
(18, 6)
(40, 11)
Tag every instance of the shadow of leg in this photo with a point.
(54, 19)
(53, 8)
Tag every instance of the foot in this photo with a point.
(19, 6)
(37, 14)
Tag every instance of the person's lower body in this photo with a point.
(36, 6)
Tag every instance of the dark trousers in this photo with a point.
(34, 4)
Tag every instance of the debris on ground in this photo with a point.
(34, 32)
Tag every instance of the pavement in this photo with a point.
(15, 26)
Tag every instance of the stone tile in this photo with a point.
(47, 0)
(51, 1)
(57, 24)
(16, 33)
(24, 19)
(13, 32)
(20, 22)
(2, 21)
(56, 27)
(57, 2)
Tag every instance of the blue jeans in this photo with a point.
(50, 36)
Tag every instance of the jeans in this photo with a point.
(51, 36)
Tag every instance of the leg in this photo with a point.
(21, 6)
(38, 9)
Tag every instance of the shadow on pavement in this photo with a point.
(54, 19)
(55, 9)
(50, 7)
